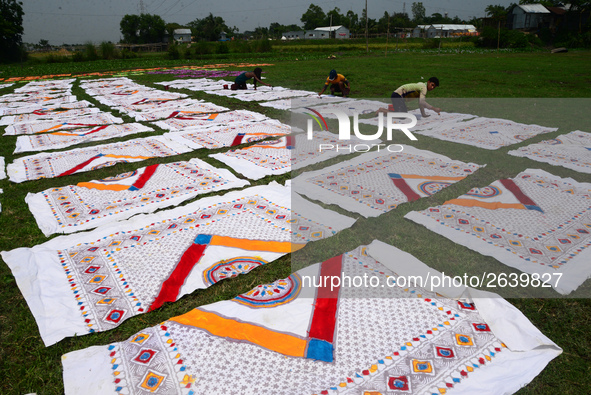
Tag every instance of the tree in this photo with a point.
(498, 13)
(418, 13)
(11, 30)
(334, 17)
(209, 28)
(314, 17)
(142, 29)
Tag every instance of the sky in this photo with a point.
(81, 21)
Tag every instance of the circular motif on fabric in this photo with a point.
(486, 192)
(270, 295)
(231, 268)
(108, 164)
(119, 177)
(431, 187)
(270, 142)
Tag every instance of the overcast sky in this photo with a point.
(80, 21)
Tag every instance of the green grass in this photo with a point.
(27, 366)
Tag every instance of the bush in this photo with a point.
(78, 56)
(90, 51)
(508, 39)
(202, 48)
(108, 50)
(173, 52)
(431, 43)
(240, 46)
(222, 48)
(263, 45)
(127, 54)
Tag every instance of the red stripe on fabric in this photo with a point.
(290, 141)
(406, 189)
(80, 166)
(170, 288)
(514, 189)
(96, 130)
(317, 113)
(237, 140)
(324, 318)
(148, 173)
(174, 113)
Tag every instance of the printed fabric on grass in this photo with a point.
(67, 138)
(101, 118)
(572, 150)
(87, 205)
(219, 136)
(57, 164)
(286, 154)
(536, 222)
(100, 278)
(487, 133)
(182, 122)
(306, 335)
(377, 182)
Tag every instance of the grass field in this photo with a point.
(562, 81)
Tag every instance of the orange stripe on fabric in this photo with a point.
(51, 128)
(103, 187)
(255, 245)
(490, 206)
(232, 329)
(434, 178)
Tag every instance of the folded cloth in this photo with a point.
(536, 222)
(310, 333)
(92, 281)
(87, 205)
(572, 150)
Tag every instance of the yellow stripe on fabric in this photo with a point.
(103, 187)
(229, 328)
(255, 245)
(63, 134)
(478, 203)
(433, 178)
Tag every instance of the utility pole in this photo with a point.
(387, 35)
(142, 7)
(366, 30)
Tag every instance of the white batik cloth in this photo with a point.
(29, 108)
(295, 337)
(87, 205)
(67, 138)
(219, 136)
(377, 182)
(57, 164)
(3, 85)
(179, 122)
(45, 85)
(487, 133)
(38, 100)
(100, 278)
(304, 101)
(536, 222)
(348, 107)
(2, 168)
(101, 118)
(286, 154)
(433, 121)
(197, 84)
(194, 109)
(262, 93)
(572, 150)
(48, 115)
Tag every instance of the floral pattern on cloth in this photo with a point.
(323, 340)
(29, 108)
(98, 119)
(536, 222)
(231, 135)
(48, 115)
(181, 122)
(572, 150)
(131, 267)
(57, 164)
(287, 153)
(377, 182)
(67, 138)
(487, 133)
(88, 204)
